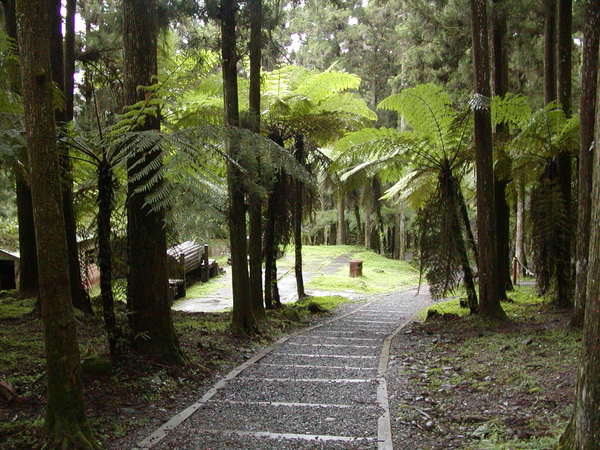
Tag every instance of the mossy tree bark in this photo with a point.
(147, 282)
(28, 274)
(589, 79)
(65, 414)
(256, 202)
(489, 302)
(242, 318)
(583, 431)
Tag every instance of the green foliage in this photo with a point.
(427, 108)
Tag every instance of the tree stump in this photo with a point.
(356, 268)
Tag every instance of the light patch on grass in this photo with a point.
(380, 275)
(200, 289)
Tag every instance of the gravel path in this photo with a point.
(323, 387)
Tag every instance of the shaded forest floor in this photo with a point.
(135, 392)
(460, 382)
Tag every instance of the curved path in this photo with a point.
(323, 387)
(223, 297)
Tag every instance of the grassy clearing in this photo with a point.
(500, 385)
(380, 275)
(135, 391)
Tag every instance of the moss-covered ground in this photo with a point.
(475, 384)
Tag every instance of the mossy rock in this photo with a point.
(315, 308)
(291, 314)
(96, 366)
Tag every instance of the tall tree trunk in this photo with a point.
(359, 228)
(298, 211)
(269, 249)
(589, 77)
(549, 51)
(242, 318)
(397, 235)
(147, 282)
(367, 229)
(501, 180)
(453, 196)
(256, 201)
(28, 265)
(28, 275)
(80, 297)
(503, 238)
(486, 220)
(520, 226)
(564, 270)
(69, 58)
(543, 251)
(66, 424)
(583, 431)
(105, 205)
(464, 214)
(341, 224)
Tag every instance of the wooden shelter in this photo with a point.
(189, 258)
(9, 269)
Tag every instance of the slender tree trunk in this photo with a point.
(486, 220)
(549, 51)
(464, 214)
(501, 180)
(564, 269)
(298, 211)
(28, 275)
(275, 285)
(65, 413)
(589, 77)
(544, 261)
(520, 226)
(242, 318)
(359, 228)
(69, 58)
(256, 202)
(503, 239)
(367, 229)
(583, 431)
(269, 249)
(147, 282)
(105, 205)
(453, 196)
(341, 225)
(28, 266)
(79, 295)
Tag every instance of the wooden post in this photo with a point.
(182, 269)
(515, 271)
(356, 268)
(204, 269)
